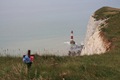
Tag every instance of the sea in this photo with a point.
(53, 42)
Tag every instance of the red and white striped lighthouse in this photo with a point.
(72, 38)
(71, 35)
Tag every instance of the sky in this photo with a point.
(40, 23)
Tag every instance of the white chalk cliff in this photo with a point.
(95, 43)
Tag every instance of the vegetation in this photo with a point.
(112, 28)
(106, 12)
(95, 67)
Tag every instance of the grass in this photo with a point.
(112, 28)
(96, 67)
(106, 12)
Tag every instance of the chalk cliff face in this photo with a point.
(95, 43)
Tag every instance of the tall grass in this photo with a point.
(96, 67)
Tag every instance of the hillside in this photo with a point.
(103, 32)
(111, 30)
(102, 67)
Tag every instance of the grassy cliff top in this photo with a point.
(106, 12)
(111, 28)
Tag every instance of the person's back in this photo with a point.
(26, 59)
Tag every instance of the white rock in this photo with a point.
(94, 43)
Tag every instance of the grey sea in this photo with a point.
(51, 43)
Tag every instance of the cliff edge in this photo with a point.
(103, 32)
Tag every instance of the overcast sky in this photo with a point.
(20, 19)
(28, 16)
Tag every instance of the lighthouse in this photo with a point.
(75, 49)
(72, 42)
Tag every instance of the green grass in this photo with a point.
(96, 67)
(105, 13)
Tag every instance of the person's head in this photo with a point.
(29, 51)
(23, 56)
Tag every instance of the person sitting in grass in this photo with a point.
(27, 60)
